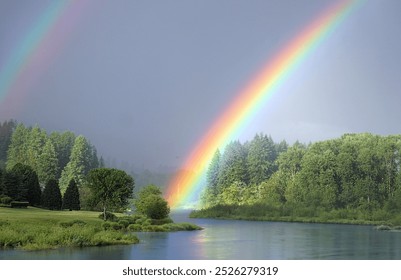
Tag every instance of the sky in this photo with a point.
(144, 80)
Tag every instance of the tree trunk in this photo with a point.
(104, 213)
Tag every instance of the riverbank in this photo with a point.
(38, 229)
(262, 212)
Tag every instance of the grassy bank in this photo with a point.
(35, 229)
(282, 213)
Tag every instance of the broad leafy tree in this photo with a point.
(110, 188)
(150, 202)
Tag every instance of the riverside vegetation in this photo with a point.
(61, 171)
(354, 179)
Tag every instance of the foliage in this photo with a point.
(77, 167)
(110, 188)
(150, 203)
(50, 156)
(47, 163)
(51, 198)
(108, 217)
(6, 131)
(71, 197)
(357, 172)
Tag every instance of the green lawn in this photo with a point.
(35, 229)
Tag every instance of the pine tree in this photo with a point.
(18, 148)
(78, 164)
(27, 184)
(71, 197)
(6, 131)
(261, 159)
(63, 143)
(233, 165)
(47, 164)
(213, 177)
(36, 142)
(51, 198)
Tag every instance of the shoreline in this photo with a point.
(35, 229)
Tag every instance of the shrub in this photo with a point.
(116, 226)
(109, 217)
(71, 223)
(383, 227)
(123, 223)
(5, 200)
(106, 225)
(134, 227)
(19, 204)
(161, 221)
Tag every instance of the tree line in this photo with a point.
(355, 171)
(62, 171)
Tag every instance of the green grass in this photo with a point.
(36, 229)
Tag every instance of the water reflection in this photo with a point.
(243, 240)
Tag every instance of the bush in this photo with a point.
(106, 225)
(134, 227)
(123, 223)
(383, 227)
(109, 217)
(19, 204)
(71, 223)
(161, 221)
(116, 226)
(6, 200)
(151, 203)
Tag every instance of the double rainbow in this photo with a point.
(249, 101)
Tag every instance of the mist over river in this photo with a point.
(229, 239)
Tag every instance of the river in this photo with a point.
(225, 239)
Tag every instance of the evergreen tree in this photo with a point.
(2, 188)
(18, 148)
(6, 131)
(36, 141)
(63, 143)
(13, 188)
(51, 198)
(261, 159)
(78, 164)
(27, 184)
(47, 165)
(213, 171)
(71, 197)
(233, 166)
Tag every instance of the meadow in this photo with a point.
(36, 229)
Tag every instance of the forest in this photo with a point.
(31, 160)
(353, 179)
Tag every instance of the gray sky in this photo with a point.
(143, 80)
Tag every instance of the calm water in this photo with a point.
(243, 240)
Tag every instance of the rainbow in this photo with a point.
(36, 52)
(250, 100)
